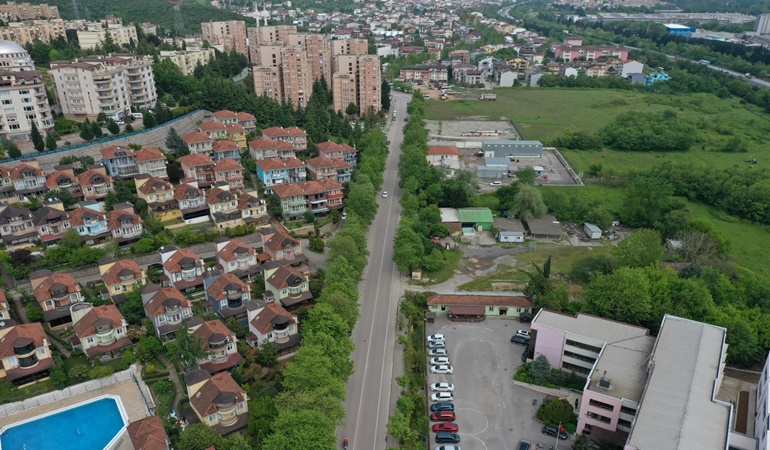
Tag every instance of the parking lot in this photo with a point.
(491, 412)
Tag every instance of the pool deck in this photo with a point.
(127, 391)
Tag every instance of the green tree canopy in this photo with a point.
(527, 203)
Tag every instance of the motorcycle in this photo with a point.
(345, 443)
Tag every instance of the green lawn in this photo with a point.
(9, 394)
(452, 260)
(545, 113)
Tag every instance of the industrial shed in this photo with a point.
(545, 227)
(476, 217)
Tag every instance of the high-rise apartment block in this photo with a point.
(188, 59)
(286, 63)
(26, 32)
(23, 99)
(24, 11)
(230, 34)
(94, 34)
(111, 84)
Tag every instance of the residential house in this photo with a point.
(226, 149)
(64, 178)
(225, 116)
(152, 162)
(288, 286)
(656, 77)
(121, 276)
(99, 330)
(229, 171)
(119, 161)
(198, 167)
(51, 222)
(320, 168)
(126, 226)
(5, 312)
(280, 248)
(28, 180)
(16, 224)
(338, 152)
(424, 73)
(236, 257)
(95, 183)
(167, 308)
(223, 208)
(247, 121)
(214, 130)
(270, 322)
(253, 210)
(236, 133)
(219, 344)
(55, 293)
(148, 434)
(191, 200)
(444, 156)
(228, 295)
(182, 268)
(199, 143)
(293, 135)
(589, 53)
(275, 171)
(159, 195)
(630, 67)
(90, 223)
(217, 401)
(333, 193)
(7, 189)
(463, 307)
(24, 353)
(260, 149)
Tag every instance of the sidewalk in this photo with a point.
(174, 375)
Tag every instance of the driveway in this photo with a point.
(492, 413)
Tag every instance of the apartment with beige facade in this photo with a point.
(259, 36)
(94, 34)
(22, 11)
(26, 32)
(23, 99)
(111, 84)
(231, 34)
(188, 59)
(365, 71)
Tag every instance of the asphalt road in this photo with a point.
(369, 390)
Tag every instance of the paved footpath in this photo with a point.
(174, 375)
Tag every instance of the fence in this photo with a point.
(99, 141)
(78, 389)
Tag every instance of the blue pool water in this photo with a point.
(90, 426)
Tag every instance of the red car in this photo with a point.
(446, 426)
(442, 416)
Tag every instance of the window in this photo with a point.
(212, 417)
(90, 339)
(601, 405)
(9, 110)
(11, 361)
(41, 351)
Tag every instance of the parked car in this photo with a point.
(553, 430)
(439, 361)
(524, 333)
(442, 416)
(443, 368)
(388, 142)
(384, 194)
(446, 437)
(442, 406)
(436, 344)
(496, 183)
(446, 426)
(442, 387)
(516, 339)
(436, 337)
(437, 352)
(344, 216)
(524, 445)
(448, 447)
(442, 397)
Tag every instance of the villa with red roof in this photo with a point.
(223, 208)
(167, 308)
(55, 293)
(25, 354)
(260, 149)
(444, 156)
(219, 344)
(270, 322)
(183, 268)
(99, 330)
(229, 171)
(66, 180)
(237, 257)
(275, 171)
(214, 130)
(121, 276)
(95, 183)
(198, 167)
(293, 135)
(338, 152)
(226, 149)
(152, 162)
(126, 226)
(320, 168)
(216, 401)
(198, 142)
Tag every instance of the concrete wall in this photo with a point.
(550, 342)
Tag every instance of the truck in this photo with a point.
(488, 97)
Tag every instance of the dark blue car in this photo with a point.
(442, 406)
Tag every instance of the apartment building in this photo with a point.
(344, 91)
(365, 70)
(94, 34)
(28, 31)
(261, 36)
(187, 60)
(349, 47)
(24, 102)
(296, 76)
(318, 49)
(152, 162)
(23, 11)
(111, 84)
(230, 34)
(267, 81)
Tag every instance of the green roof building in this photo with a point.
(476, 217)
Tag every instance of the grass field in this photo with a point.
(544, 114)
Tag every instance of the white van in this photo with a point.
(137, 115)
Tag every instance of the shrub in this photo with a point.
(149, 369)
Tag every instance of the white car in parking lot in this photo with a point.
(436, 344)
(439, 361)
(444, 368)
(524, 333)
(435, 337)
(442, 387)
(437, 352)
(442, 397)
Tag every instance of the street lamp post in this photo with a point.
(558, 433)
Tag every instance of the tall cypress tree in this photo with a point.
(37, 138)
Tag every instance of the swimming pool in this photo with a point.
(91, 425)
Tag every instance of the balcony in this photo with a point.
(105, 338)
(60, 294)
(218, 357)
(189, 274)
(234, 303)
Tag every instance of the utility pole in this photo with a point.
(558, 433)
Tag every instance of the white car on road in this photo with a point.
(442, 397)
(439, 361)
(444, 368)
(442, 387)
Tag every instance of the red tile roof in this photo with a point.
(226, 165)
(155, 306)
(149, 154)
(320, 162)
(111, 152)
(280, 278)
(148, 434)
(227, 253)
(203, 400)
(246, 201)
(210, 328)
(225, 146)
(85, 326)
(196, 137)
(89, 176)
(264, 320)
(197, 159)
(17, 170)
(443, 150)
(280, 163)
(225, 114)
(52, 180)
(235, 128)
(78, 215)
(246, 117)
(211, 126)
(32, 331)
(180, 192)
(301, 188)
(122, 268)
(481, 300)
(172, 264)
(217, 289)
(276, 132)
(216, 195)
(154, 184)
(42, 293)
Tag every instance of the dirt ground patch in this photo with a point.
(470, 129)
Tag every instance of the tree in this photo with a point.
(352, 109)
(528, 203)
(623, 295)
(96, 129)
(130, 128)
(50, 141)
(149, 120)
(526, 175)
(274, 207)
(301, 429)
(113, 127)
(86, 132)
(199, 436)
(37, 139)
(188, 348)
(11, 148)
(559, 411)
(407, 248)
(268, 355)
(647, 200)
(147, 348)
(539, 369)
(641, 248)
(176, 144)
